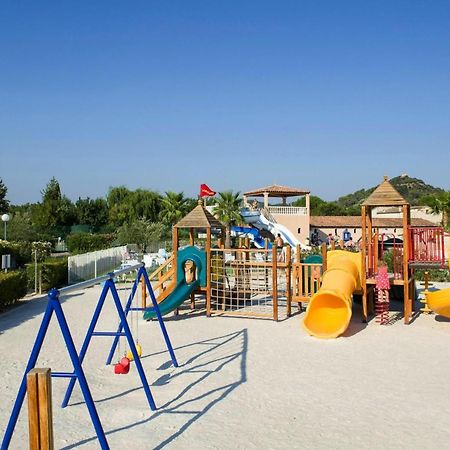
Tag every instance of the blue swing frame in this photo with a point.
(54, 306)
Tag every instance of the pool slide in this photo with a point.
(253, 233)
(439, 302)
(330, 309)
(258, 220)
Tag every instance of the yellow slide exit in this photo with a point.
(439, 302)
(330, 309)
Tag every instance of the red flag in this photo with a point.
(206, 191)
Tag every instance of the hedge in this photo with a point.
(20, 251)
(87, 242)
(13, 286)
(54, 273)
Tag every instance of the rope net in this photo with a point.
(242, 283)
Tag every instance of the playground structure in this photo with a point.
(329, 311)
(54, 306)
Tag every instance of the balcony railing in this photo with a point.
(288, 210)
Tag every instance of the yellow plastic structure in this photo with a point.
(439, 302)
(330, 309)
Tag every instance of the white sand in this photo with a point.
(244, 383)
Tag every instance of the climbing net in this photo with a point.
(243, 283)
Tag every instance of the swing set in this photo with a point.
(123, 330)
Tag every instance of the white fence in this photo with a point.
(94, 264)
(289, 210)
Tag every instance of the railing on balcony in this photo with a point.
(289, 210)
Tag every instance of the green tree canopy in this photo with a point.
(4, 204)
(174, 207)
(226, 210)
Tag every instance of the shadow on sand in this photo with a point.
(221, 351)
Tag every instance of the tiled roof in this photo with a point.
(384, 195)
(356, 222)
(277, 191)
(199, 217)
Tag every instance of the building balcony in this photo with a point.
(288, 210)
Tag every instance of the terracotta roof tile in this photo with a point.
(275, 190)
(356, 222)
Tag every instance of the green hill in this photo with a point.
(412, 189)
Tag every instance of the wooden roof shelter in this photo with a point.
(384, 195)
(277, 191)
(199, 217)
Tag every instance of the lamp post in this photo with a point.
(5, 219)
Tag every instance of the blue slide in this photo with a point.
(253, 233)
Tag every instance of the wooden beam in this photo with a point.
(288, 280)
(363, 248)
(407, 305)
(324, 256)
(208, 271)
(275, 282)
(40, 414)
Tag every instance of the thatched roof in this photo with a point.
(385, 195)
(199, 217)
(275, 190)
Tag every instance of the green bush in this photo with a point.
(13, 286)
(435, 274)
(87, 242)
(54, 273)
(20, 251)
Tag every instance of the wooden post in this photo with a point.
(208, 272)
(143, 294)
(406, 291)
(288, 281)
(40, 415)
(370, 241)
(299, 254)
(363, 262)
(193, 301)
(191, 236)
(275, 282)
(324, 256)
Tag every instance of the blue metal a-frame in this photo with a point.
(54, 305)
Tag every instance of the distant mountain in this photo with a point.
(412, 189)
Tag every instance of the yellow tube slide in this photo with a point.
(439, 302)
(330, 309)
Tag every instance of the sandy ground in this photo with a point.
(243, 383)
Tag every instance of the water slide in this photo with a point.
(259, 221)
(253, 233)
(439, 302)
(330, 309)
(181, 292)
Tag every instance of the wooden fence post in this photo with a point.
(288, 280)
(40, 416)
(275, 282)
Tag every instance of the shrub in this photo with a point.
(20, 251)
(13, 286)
(54, 273)
(87, 242)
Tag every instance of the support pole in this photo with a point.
(40, 416)
(275, 282)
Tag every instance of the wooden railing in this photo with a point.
(306, 280)
(163, 279)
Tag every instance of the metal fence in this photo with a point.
(94, 264)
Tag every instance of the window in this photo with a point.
(299, 230)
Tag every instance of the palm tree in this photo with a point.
(174, 207)
(440, 205)
(226, 210)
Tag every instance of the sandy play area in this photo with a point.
(243, 383)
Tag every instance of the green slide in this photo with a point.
(181, 292)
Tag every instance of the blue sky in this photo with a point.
(165, 95)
